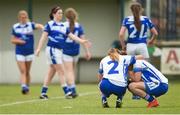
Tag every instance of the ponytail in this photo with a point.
(136, 9)
(51, 16)
(114, 54)
(72, 16)
(71, 24)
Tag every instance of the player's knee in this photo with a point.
(23, 71)
(131, 86)
(27, 73)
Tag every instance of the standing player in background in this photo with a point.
(72, 48)
(113, 75)
(137, 27)
(56, 33)
(23, 38)
(153, 82)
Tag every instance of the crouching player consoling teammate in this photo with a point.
(148, 82)
(112, 75)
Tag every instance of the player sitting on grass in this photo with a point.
(148, 82)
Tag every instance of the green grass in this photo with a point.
(88, 102)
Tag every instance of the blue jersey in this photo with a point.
(57, 33)
(149, 72)
(71, 47)
(24, 32)
(116, 71)
(135, 36)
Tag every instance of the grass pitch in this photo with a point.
(88, 102)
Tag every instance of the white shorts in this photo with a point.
(68, 58)
(54, 55)
(137, 49)
(24, 58)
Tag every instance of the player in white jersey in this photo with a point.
(112, 75)
(149, 82)
(56, 33)
(23, 38)
(137, 27)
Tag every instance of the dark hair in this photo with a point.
(72, 15)
(130, 67)
(136, 10)
(53, 11)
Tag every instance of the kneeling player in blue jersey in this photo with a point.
(149, 82)
(112, 75)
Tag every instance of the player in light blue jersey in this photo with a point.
(23, 38)
(72, 48)
(149, 82)
(137, 27)
(55, 32)
(113, 75)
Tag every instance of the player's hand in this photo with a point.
(88, 56)
(123, 52)
(22, 42)
(86, 43)
(150, 42)
(18, 41)
(37, 52)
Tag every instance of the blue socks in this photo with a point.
(65, 89)
(149, 98)
(72, 88)
(44, 90)
(24, 87)
(104, 99)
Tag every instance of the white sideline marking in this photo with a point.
(38, 100)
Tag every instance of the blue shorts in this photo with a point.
(156, 89)
(107, 88)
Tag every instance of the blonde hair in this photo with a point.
(72, 16)
(114, 54)
(21, 13)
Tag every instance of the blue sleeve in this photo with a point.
(100, 71)
(13, 32)
(150, 24)
(81, 31)
(47, 28)
(124, 23)
(33, 25)
(133, 60)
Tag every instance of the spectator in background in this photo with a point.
(72, 48)
(137, 27)
(23, 38)
(56, 33)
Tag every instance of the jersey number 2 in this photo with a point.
(113, 69)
